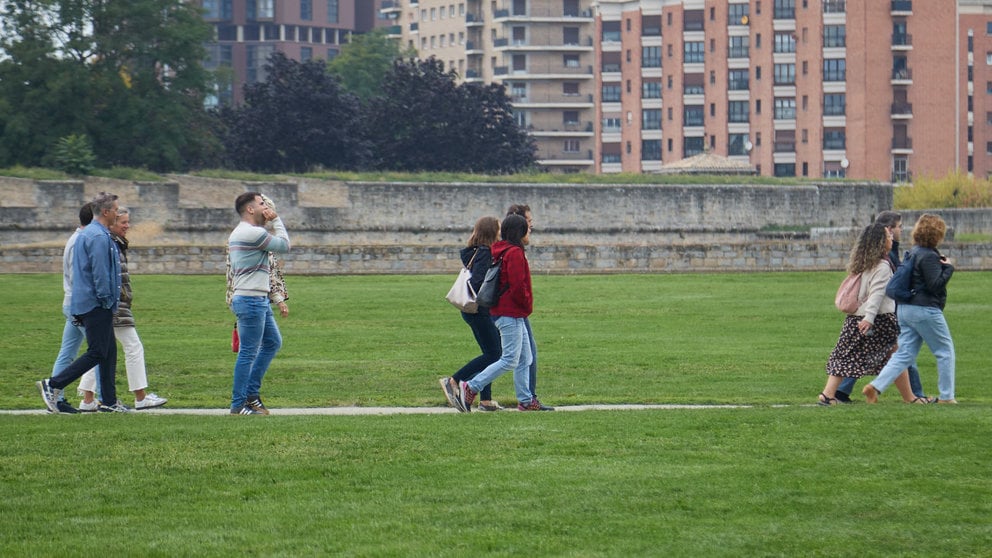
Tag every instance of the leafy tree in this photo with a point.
(73, 155)
(298, 119)
(424, 121)
(364, 62)
(126, 73)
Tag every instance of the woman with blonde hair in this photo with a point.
(868, 336)
(922, 318)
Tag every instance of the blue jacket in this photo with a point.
(96, 271)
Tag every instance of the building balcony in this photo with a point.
(901, 40)
(902, 7)
(501, 70)
(390, 6)
(473, 20)
(902, 76)
(785, 147)
(903, 144)
(901, 110)
(834, 6)
(393, 30)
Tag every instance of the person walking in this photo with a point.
(478, 258)
(892, 221)
(515, 304)
(96, 287)
(921, 320)
(869, 334)
(125, 332)
(259, 339)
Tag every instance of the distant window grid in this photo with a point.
(572, 146)
(739, 47)
(834, 6)
(695, 52)
(570, 60)
(737, 144)
(736, 13)
(738, 80)
(611, 93)
(785, 74)
(651, 57)
(785, 9)
(651, 150)
(612, 158)
(651, 119)
(738, 111)
(306, 53)
(612, 124)
(835, 104)
(651, 90)
(785, 108)
(834, 69)
(306, 10)
(785, 42)
(693, 115)
(785, 169)
(217, 9)
(834, 139)
(834, 36)
(693, 146)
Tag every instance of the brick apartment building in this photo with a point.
(879, 89)
(247, 32)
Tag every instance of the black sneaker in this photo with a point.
(843, 397)
(49, 395)
(246, 410)
(255, 404)
(66, 408)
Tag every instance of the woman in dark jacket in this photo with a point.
(514, 305)
(922, 318)
(477, 257)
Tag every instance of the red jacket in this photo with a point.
(517, 300)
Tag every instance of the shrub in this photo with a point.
(956, 189)
(73, 154)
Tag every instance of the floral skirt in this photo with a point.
(858, 355)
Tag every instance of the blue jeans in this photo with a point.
(918, 325)
(101, 349)
(515, 356)
(260, 341)
(847, 384)
(72, 340)
(487, 336)
(532, 380)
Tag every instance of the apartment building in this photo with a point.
(247, 32)
(543, 51)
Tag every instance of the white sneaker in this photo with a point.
(151, 400)
(90, 407)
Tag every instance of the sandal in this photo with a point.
(922, 401)
(825, 401)
(870, 393)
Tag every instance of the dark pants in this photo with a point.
(101, 349)
(487, 336)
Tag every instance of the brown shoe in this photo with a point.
(870, 393)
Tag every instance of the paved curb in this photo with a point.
(358, 411)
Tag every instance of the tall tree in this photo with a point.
(126, 73)
(298, 119)
(364, 62)
(424, 121)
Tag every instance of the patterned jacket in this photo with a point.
(124, 317)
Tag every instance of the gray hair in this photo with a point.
(102, 202)
(123, 211)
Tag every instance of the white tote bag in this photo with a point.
(461, 295)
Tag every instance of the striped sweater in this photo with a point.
(248, 248)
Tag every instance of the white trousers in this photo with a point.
(134, 362)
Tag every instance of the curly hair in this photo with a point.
(869, 249)
(485, 233)
(929, 230)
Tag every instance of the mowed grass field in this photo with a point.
(778, 477)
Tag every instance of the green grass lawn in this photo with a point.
(781, 477)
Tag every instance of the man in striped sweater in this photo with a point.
(248, 249)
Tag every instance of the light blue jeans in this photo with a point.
(515, 356)
(72, 340)
(918, 325)
(260, 341)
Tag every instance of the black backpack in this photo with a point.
(900, 286)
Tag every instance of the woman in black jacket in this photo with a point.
(477, 256)
(922, 318)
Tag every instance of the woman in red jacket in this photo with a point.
(514, 305)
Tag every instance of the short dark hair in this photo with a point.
(518, 209)
(889, 218)
(514, 229)
(243, 200)
(85, 214)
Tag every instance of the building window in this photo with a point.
(306, 10)
(738, 80)
(785, 74)
(834, 6)
(785, 42)
(738, 111)
(217, 9)
(988, 28)
(785, 108)
(693, 115)
(611, 31)
(988, 148)
(693, 146)
(651, 57)
(736, 14)
(518, 91)
(834, 36)
(785, 169)
(568, 88)
(570, 118)
(651, 150)
(739, 47)
(835, 104)
(693, 20)
(651, 25)
(611, 124)
(260, 9)
(785, 9)
(737, 144)
(834, 138)
(611, 93)
(572, 146)
(834, 69)
(695, 52)
(651, 119)
(306, 53)
(900, 169)
(570, 60)
(651, 90)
